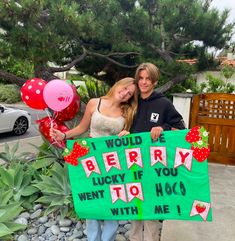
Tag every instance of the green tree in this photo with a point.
(112, 36)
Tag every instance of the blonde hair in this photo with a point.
(128, 108)
(152, 70)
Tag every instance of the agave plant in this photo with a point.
(56, 190)
(11, 156)
(48, 154)
(8, 212)
(17, 182)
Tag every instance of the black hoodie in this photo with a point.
(156, 110)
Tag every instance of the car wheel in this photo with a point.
(21, 126)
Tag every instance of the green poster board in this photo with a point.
(134, 178)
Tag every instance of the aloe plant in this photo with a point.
(56, 191)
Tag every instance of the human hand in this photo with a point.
(123, 133)
(156, 132)
(57, 135)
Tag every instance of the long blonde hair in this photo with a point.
(128, 108)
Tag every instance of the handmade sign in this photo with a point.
(134, 178)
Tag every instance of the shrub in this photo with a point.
(9, 93)
(56, 191)
(93, 88)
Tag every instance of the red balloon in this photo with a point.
(32, 93)
(45, 125)
(69, 113)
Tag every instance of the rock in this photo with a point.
(24, 215)
(23, 237)
(120, 237)
(37, 206)
(78, 235)
(127, 234)
(21, 220)
(55, 229)
(36, 214)
(122, 222)
(32, 231)
(48, 232)
(43, 219)
(50, 223)
(41, 230)
(78, 225)
(65, 222)
(65, 229)
(53, 238)
(127, 226)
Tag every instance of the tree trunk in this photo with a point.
(12, 78)
(178, 79)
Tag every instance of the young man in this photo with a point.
(155, 113)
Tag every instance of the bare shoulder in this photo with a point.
(92, 103)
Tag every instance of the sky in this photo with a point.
(222, 4)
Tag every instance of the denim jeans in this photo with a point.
(101, 230)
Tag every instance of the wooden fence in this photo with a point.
(216, 112)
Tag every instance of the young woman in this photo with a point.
(108, 115)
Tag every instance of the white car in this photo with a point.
(14, 120)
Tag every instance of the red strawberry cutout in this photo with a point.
(71, 160)
(79, 150)
(193, 135)
(200, 208)
(200, 154)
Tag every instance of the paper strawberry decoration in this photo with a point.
(200, 154)
(193, 135)
(80, 149)
(198, 137)
(200, 208)
(71, 158)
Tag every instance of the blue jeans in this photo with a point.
(95, 231)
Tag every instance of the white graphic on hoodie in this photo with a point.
(154, 117)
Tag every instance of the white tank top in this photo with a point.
(102, 125)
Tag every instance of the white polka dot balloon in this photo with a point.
(32, 93)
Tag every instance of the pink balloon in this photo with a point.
(58, 94)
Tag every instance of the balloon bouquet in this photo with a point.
(59, 96)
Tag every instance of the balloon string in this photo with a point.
(49, 116)
(51, 126)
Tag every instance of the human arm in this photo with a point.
(155, 132)
(79, 129)
(172, 118)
